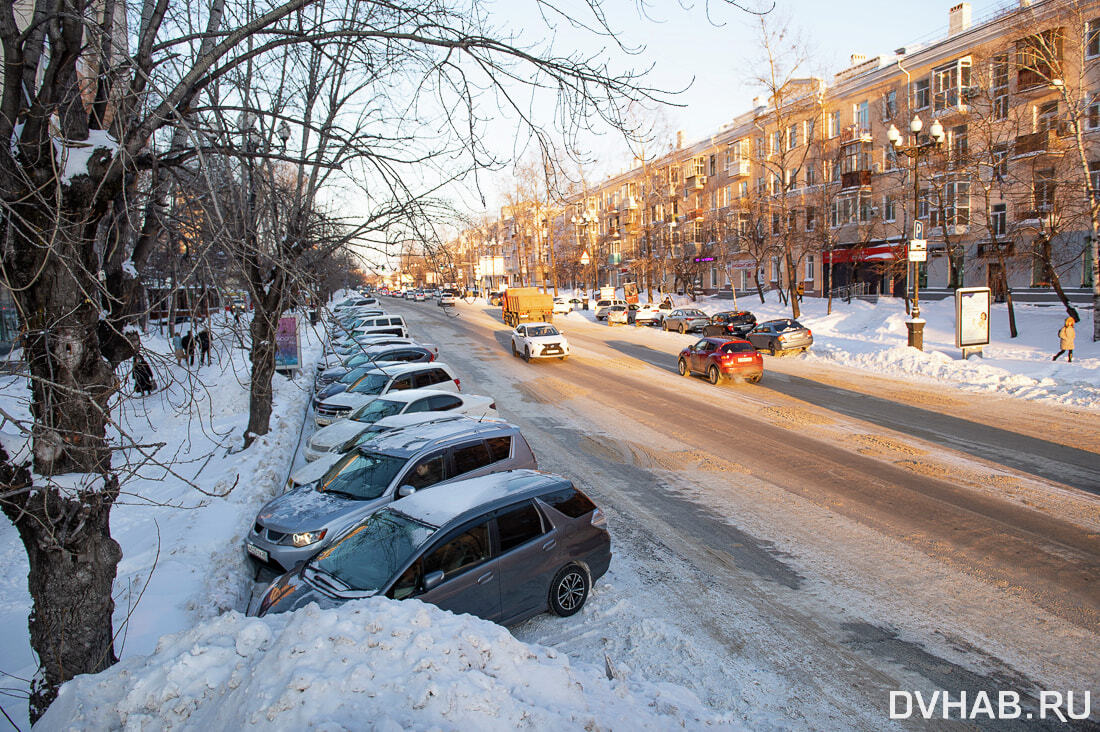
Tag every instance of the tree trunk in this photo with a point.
(1055, 281)
(264, 325)
(73, 561)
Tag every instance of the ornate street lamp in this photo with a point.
(915, 151)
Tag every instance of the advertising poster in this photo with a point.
(972, 316)
(288, 345)
(630, 291)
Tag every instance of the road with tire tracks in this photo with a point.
(840, 534)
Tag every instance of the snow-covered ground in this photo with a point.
(872, 337)
(189, 659)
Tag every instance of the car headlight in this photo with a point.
(306, 538)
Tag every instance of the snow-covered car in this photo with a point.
(337, 436)
(304, 520)
(603, 305)
(648, 314)
(617, 315)
(562, 306)
(422, 546)
(377, 382)
(539, 340)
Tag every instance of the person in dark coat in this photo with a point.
(143, 376)
(189, 344)
(204, 347)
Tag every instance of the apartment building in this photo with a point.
(809, 187)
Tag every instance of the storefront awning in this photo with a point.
(884, 252)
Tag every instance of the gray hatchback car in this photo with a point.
(306, 519)
(686, 320)
(503, 547)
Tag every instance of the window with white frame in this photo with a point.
(1092, 38)
(999, 91)
(889, 105)
(1092, 111)
(775, 269)
(922, 96)
(809, 127)
(1000, 161)
(761, 186)
(746, 279)
(890, 156)
(998, 219)
(955, 205)
(792, 137)
(1094, 177)
(811, 218)
(811, 266)
(865, 207)
(777, 141)
(776, 223)
(833, 123)
(889, 208)
(862, 115)
(922, 204)
(811, 173)
(949, 82)
(743, 190)
(959, 142)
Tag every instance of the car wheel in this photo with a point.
(683, 367)
(665, 327)
(562, 358)
(715, 375)
(568, 591)
(771, 349)
(515, 353)
(681, 329)
(527, 354)
(754, 379)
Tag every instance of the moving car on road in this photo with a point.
(686, 320)
(562, 306)
(722, 358)
(504, 547)
(539, 340)
(305, 519)
(730, 324)
(784, 334)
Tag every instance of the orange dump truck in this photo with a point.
(525, 304)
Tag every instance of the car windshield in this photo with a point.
(742, 347)
(371, 384)
(362, 476)
(785, 325)
(538, 331)
(351, 376)
(376, 410)
(695, 313)
(374, 551)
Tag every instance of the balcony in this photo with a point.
(739, 169)
(855, 179)
(1035, 143)
(853, 133)
(693, 214)
(1032, 216)
(695, 183)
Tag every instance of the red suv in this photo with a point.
(722, 358)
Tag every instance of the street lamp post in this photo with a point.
(915, 151)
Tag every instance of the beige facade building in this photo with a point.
(808, 186)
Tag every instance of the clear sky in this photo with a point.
(709, 47)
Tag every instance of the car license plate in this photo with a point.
(744, 359)
(256, 551)
(552, 349)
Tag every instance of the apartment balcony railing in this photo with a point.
(695, 183)
(739, 169)
(855, 179)
(1035, 143)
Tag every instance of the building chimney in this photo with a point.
(759, 102)
(958, 19)
(679, 139)
(858, 58)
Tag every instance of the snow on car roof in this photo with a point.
(440, 504)
(404, 443)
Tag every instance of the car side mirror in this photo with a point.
(432, 580)
(405, 491)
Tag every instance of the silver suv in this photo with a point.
(503, 547)
(305, 519)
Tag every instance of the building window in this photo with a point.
(863, 115)
(775, 269)
(714, 277)
(811, 125)
(761, 186)
(864, 207)
(958, 143)
(713, 165)
(1094, 178)
(1092, 38)
(792, 137)
(777, 184)
(811, 174)
(1000, 87)
(922, 96)
(889, 105)
(811, 218)
(857, 157)
(998, 219)
(1046, 117)
(775, 223)
(1000, 162)
(922, 204)
(1092, 112)
(889, 208)
(744, 189)
(777, 141)
(834, 169)
(1039, 58)
(948, 83)
(810, 267)
(890, 156)
(956, 205)
(834, 123)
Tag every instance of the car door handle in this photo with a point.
(549, 545)
(484, 578)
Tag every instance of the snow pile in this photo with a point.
(374, 663)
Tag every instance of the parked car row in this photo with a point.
(414, 488)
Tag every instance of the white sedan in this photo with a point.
(648, 314)
(562, 306)
(539, 340)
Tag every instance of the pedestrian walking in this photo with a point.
(204, 347)
(189, 344)
(143, 376)
(800, 290)
(177, 347)
(1066, 335)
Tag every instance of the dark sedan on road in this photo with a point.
(686, 320)
(503, 547)
(730, 324)
(784, 334)
(722, 358)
